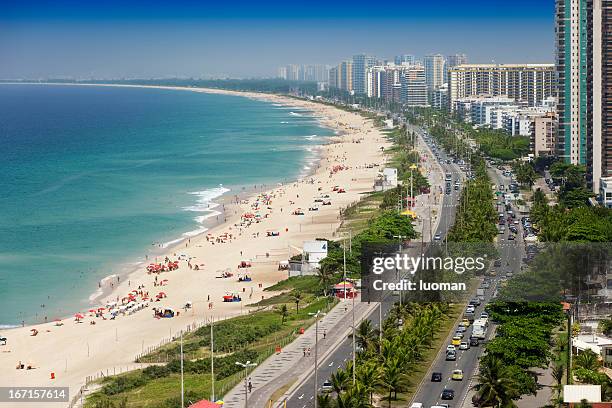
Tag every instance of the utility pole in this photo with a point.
(182, 376)
(212, 359)
(246, 379)
(316, 370)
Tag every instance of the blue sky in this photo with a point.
(112, 39)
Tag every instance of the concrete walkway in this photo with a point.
(283, 369)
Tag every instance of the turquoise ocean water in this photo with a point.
(92, 176)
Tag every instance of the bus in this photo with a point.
(479, 328)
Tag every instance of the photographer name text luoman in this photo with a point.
(406, 285)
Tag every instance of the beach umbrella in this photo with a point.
(92, 310)
(79, 316)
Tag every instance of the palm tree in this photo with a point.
(495, 386)
(325, 277)
(297, 297)
(392, 377)
(324, 401)
(283, 310)
(558, 370)
(340, 381)
(369, 375)
(587, 359)
(365, 335)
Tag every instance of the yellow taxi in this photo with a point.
(457, 375)
(465, 323)
(456, 341)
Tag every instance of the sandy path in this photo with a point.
(76, 350)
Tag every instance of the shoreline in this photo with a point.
(350, 160)
(132, 265)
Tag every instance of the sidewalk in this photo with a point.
(284, 370)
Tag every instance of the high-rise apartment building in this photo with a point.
(434, 71)
(405, 59)
(346, 76)
(455, 60)
(397, 83)
(333, 79)
(413, 86)
(530, 84)
(361, 63)
(584, 48)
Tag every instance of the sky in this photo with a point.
(237, 38)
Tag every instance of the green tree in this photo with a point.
(366, 335)
(324, 401)
(283, 310)
(392, 377)
(587, 359)
(340, 381)
(297, 297)
(368, 374)
(495, 386)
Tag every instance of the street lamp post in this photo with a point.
(246, 377)
(316, 370)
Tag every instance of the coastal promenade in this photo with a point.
(284, 374)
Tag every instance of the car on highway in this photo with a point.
(475, 302)
(465, 323)
(474, 342)
(510, 237)
(327, 386)
(416, 405)
(456, 340)
(450, 347)
(484, 315)
(457, 375)
(447, 394)
(464, 345)
(437, 237)
(436, 377)
(451, 356)
(460, 330)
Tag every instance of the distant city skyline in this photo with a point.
(187, 39)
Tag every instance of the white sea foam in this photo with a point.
(284, 122)
(205, 197)
(205, 205)
(8, 326)
(311, 137)
(294, 113)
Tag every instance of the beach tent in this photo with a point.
(205, 404)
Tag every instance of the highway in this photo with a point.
(429, 393)
(303, 397)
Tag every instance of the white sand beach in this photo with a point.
(74, 350)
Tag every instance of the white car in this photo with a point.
(437, 237)
(464, 345)
(450, 347)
